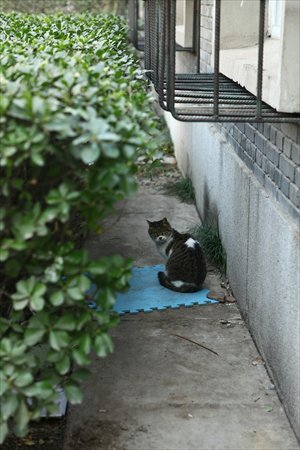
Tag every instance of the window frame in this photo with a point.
(185, 27)
(275, 18)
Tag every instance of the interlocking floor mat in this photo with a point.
(146, 294)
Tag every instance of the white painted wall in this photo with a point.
(233, 14)
(262, 246)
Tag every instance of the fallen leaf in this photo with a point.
(28, 442)
(219, 296)
(230, 299)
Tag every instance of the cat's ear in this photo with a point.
(149, 223)
(165, 220)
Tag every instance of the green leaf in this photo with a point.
(38, 105)
(63, 366)
(33, 336)
(58, 339)
(107, 298)
(19, 304)
(98, 68)
(25, 290)
(103, 345)
(4, 325)
(3, 384)
(3, 254)
(3, 431)
(98, 267)
(18, 350)
(23, 379)
(49, 214)
(80, 358)
(111, 150)
(73, 393)
(39, 321)
(129, 151)
(37, 303)
(6, 346)
(57, 298)
(41, 389)
(39, 289)
(84, 318)
(97, 126)
(75, 293)
(84, 283)
(37, 159)
(67, 322)
(21, 418)
(8, 406)
(90, 154)
(85, 344)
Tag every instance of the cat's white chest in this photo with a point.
(162, 248)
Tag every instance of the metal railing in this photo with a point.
(200, 97)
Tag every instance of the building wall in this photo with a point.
(272, 153)
(247, 180)
(206, 38)
(261, 236)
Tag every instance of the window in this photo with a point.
(281, 64)
(246, 84)
(184, 23)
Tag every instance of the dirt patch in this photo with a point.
(43, 435)
(96, 434)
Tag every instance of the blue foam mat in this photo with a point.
(146, 294)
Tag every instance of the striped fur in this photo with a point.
(185, 265)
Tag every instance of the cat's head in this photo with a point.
(160, 230)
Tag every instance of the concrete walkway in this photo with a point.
(158, 391)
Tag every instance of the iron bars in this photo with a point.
(198, 96)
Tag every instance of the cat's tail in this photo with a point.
(178, 286)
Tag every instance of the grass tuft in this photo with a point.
(210, 240)
(183, 189)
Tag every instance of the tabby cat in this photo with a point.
(185, 266)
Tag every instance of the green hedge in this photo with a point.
(74, 115)
(65, 6)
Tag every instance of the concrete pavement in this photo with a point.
(159, 391)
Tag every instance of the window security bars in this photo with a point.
(137, 31)
(200, 97)
(134, 18)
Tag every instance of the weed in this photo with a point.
(210, 240)
(183, 189)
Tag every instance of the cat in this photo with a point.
(185, 266)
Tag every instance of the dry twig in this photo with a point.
(197, 343)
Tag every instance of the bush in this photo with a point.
(74, 116)
(65, 6)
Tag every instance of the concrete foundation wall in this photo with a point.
(262, 244)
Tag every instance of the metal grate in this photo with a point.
(200, 97)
